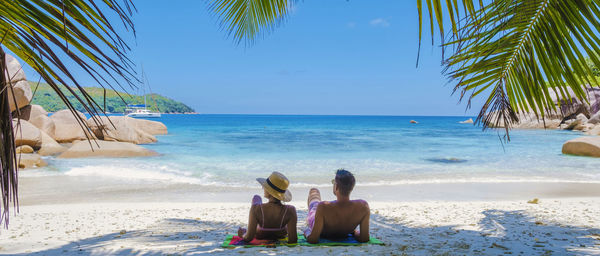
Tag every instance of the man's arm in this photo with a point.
(363, 235)
(317, 228)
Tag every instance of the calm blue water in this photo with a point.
(234, 149)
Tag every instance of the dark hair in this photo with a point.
(345, 181)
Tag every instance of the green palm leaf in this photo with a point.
(521, 52)
(53, 37)
(245, 20)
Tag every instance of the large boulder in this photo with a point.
(468, 121)
(50, 146)
(26, 134)
(30, 161)
(579, 123)
(22, 95)
(20, 87)
(15, 71)
(36, 115)
(595, 119)
(151, 127)
(119, 128)
(30, 111)
(99, 148)
(67, 127)
(594, 131)
(583, 146)
(569, 105)
(44, 123)
(24, 149)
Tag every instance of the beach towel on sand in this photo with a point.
(236, 241)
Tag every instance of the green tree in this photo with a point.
(53, 37)
(517, 52)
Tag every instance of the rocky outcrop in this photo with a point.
(67, 127)
(36, 115)
(24, 149)
(571, 113)
(26, 134)
(150, 127)
(468, 121)
(30, 161)
(594, 131)
(30, 111)
(45, 124)
(14, 70)
(595, 118)
(50, 146)
(99, 148)
(583, 146)
(21, 91)
(119, 128)
(573, 106)
(530, 121)
(22, 95)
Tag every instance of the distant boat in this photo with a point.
(140, 111)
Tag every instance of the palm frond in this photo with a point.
(55, 36)
(521, 52)
(245, 20)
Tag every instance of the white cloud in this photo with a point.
(379, 22)
(351, 24)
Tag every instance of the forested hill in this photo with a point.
(48, 99)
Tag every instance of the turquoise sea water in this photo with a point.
(232, 150)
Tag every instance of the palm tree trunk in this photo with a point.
(8, 163)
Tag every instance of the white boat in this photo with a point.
(140, 111)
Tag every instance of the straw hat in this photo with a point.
(276, 185)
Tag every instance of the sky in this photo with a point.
(333, 57)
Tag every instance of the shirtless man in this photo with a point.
(336, 219)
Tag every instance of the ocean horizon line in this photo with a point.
(343, 115)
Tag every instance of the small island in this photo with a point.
(47, 98)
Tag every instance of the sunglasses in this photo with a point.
(333, 181)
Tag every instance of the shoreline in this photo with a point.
(43, 189)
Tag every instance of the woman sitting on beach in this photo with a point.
(271, 220)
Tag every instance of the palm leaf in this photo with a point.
(245, 20)
(54, 37)
(520, 53)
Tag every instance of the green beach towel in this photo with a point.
(232, 241)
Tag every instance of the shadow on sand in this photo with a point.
(498, 233)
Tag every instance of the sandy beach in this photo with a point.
(141, 223)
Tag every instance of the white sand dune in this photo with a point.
(552, 227)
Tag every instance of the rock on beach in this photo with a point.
(119, 128)
(30, 161)
(50, 146)
(583, 146)
(99, 148)
(468, 121)
(26, 134)
(150, 127)
(67, 127)
(21, 91)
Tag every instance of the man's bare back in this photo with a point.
(337, 219)
(341, 218)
